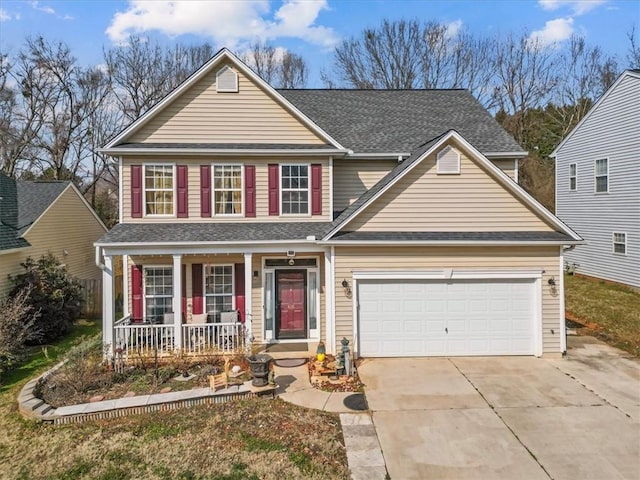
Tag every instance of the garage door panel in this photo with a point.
(459, 317)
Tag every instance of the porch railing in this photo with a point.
(142, 340)
(212, 338)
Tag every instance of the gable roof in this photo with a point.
(626, 74)
(398, 121)
(34, 198)
(23, 203)
(420, 154)
(222, 55)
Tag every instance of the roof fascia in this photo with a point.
(605, 95)
(378, 156)
(223, 151)
(448, 243)
(496, 155)
(504, 179)
(204, 70)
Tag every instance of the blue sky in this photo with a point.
(308, 27)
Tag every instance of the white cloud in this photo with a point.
(226, 22)
(578, 7)
(554, 31)
(36, 6)
(453, 28)
(4, 15)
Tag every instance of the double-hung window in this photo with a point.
(620, 243)
(602, 175)
(295, 190)
(158, 293)
(573, 176)
(218, 289)
(158, 189)
(227, 188)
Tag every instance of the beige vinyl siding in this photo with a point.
(425, 201)
(201, 114)
(262, 189)
(351, 178)
(10, 265)
(507, 165)
(349, 259)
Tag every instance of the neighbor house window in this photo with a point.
(227, 188)
(602, 175)
(218, 289)
(620, 243)
(573, 181)
(158, 189)
(295, 190)
(158, 293)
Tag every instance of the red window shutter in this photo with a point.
(136, 191)
(183, 199)
(184, 291)
(136, 293)
(196, 277)
(239, 289)
(274, 190)
(205, 191)
(249, 191)
(316, 189)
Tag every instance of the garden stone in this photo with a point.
(96, 398)
(129, 394)
(165, 390)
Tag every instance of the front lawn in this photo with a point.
(257, 438)
(611, 312)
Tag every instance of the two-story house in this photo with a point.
(598, 184)
(391, 218)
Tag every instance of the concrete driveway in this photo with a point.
(508, 417)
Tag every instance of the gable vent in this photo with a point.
(448, 161)
(226, 80)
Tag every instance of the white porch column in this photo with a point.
(329, 282)
(125, 285)
(107, 306)
(177, 301)
(248, 304)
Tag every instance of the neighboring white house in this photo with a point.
(598, 184)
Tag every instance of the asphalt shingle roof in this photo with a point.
(213, 232)
(398, 121)
(230, 146)
(21, 204)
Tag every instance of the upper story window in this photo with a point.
(620, 243)
(227, 188)
(602, 175)
(294, 189)
(573, 174)
(158, 189)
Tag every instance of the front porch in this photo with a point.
(228, 303)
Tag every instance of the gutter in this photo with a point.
(223, 151)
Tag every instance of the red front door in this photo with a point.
(291, 305)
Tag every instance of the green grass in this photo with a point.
(611, 312)
(250, 439)
(43, 357)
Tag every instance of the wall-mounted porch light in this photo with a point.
(347, 288)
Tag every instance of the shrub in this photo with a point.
(52, 292)
(17, 327)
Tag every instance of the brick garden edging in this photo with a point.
(35, 408)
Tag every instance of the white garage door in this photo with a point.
(403, 318)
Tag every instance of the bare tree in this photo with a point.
(526, 74)
(279, 68)
(633, 54)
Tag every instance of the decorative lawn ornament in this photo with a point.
(321, 352)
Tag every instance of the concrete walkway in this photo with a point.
(361, 442)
